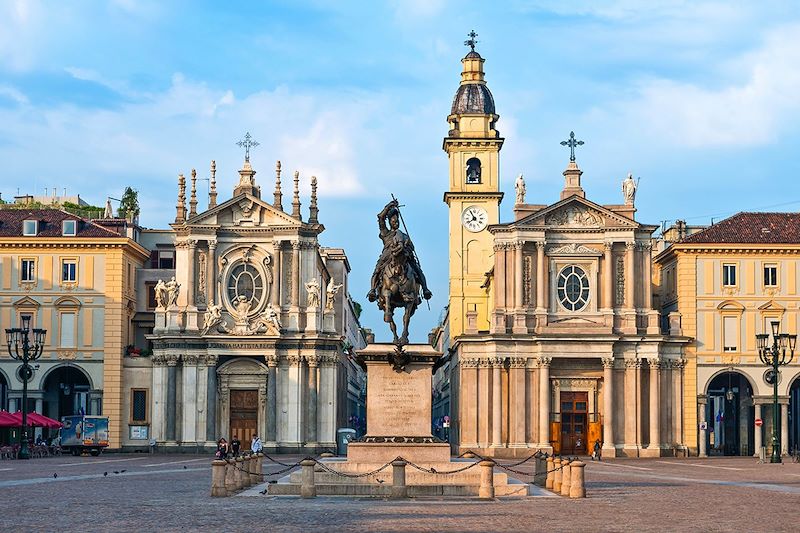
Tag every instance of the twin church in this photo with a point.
(551, 339)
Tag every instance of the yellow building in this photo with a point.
(722, 286)
(75, 278)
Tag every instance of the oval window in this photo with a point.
(573, 288)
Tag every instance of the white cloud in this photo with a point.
(749, 112)
(13, 93)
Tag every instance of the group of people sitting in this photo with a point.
(233, 449)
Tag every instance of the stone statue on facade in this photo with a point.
(312, 287)
(212, 318)
(330, 294)
(629, 187)
(267, 322)
(173, 290)
(519, 189)
(398, 279)
(162, 295)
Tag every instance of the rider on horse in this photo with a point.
(397, 245)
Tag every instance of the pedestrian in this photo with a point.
(255, 444)
(222, 448)
(596, 450)
(235, 445)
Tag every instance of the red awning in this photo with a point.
(7, 420)
(36, 420)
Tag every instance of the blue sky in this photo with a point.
(699, 98)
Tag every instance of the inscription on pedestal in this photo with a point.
(398, 403)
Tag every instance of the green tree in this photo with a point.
(129, 205)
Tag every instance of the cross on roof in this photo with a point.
(572, 143)
(247, 143)
(471, 42)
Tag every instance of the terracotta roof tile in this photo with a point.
(49, 223)
(751, 228)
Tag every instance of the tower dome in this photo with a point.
(473, 96)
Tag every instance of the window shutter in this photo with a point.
(730, 333)
(67, 339)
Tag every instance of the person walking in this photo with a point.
(255, 445)
(235, 445)
(596, 451)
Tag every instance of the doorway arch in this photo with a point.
(794, 414)
(65, 391)
(730, 414)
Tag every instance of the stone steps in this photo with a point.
(286, 488)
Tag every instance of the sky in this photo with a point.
(696, 98)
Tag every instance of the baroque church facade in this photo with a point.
(252, 327)
(553, 340)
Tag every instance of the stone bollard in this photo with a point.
(540, 471)
(548, 483)
(230, 477)
(246, 470)
(307, 487)
(239, 473)
(326, 455)
(218, 478)
(565, 477)
(486, 490)
(557, 475)
(468, 455)
(577, 488)
(260, 467)
(255, 478)
(399, 488)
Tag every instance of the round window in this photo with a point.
(245, 280)
(573, 288)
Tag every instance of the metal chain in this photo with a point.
(446, 472)
(345, 474)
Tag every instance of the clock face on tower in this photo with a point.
(474, 218)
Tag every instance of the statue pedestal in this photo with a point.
(312, 320)
(328, 324)
(161, 321)
(398, 408)
(173, 320)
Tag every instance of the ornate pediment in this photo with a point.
(26, 301)
(573, 248)
(578, 213)
(244, 211)
(575, 215)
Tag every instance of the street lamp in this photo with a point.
(31, 351)
(775, 356)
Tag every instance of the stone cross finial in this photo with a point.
(572, 143)
(278, 202)
(212, 194)
(313, 210)
(296, 198)
(247, 143)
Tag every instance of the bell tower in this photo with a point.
(473, 196)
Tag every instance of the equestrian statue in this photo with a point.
(398, 280)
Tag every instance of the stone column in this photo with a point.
(631, 441)
(311, 427)
(678, 365)
(500, 276)
(648, 277)
(608, 406)
(189, 399)
(158, 403)
(544, 401)
(277, 261)
(518, 276)
(172, 393)
(211, 398)
(516, 402)
(655, 401)
(608, 276)
(784, 428)
(541, 278)
(211, 272)
(757, 430)
(272, 399)
(630, 276)
(295, 274)
(701, 405)
(497, 365)
(190, 266)
(467, 406)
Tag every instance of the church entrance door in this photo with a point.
(574, 415)
(244, 415)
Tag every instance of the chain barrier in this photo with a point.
(533, 474)
(348, 475)
(432, 471)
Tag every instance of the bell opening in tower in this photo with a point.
(473, 171)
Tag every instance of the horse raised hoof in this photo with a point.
(372, 296)
(427, 294)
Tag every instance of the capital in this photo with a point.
(272, 360)
(544, 361)
(608, 362)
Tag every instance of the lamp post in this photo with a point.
(776, 356)
(22, 349)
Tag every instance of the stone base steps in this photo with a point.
(286, 488)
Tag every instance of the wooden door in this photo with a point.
(574, 414)
(244, 416)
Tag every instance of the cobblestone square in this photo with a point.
(136, 492)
